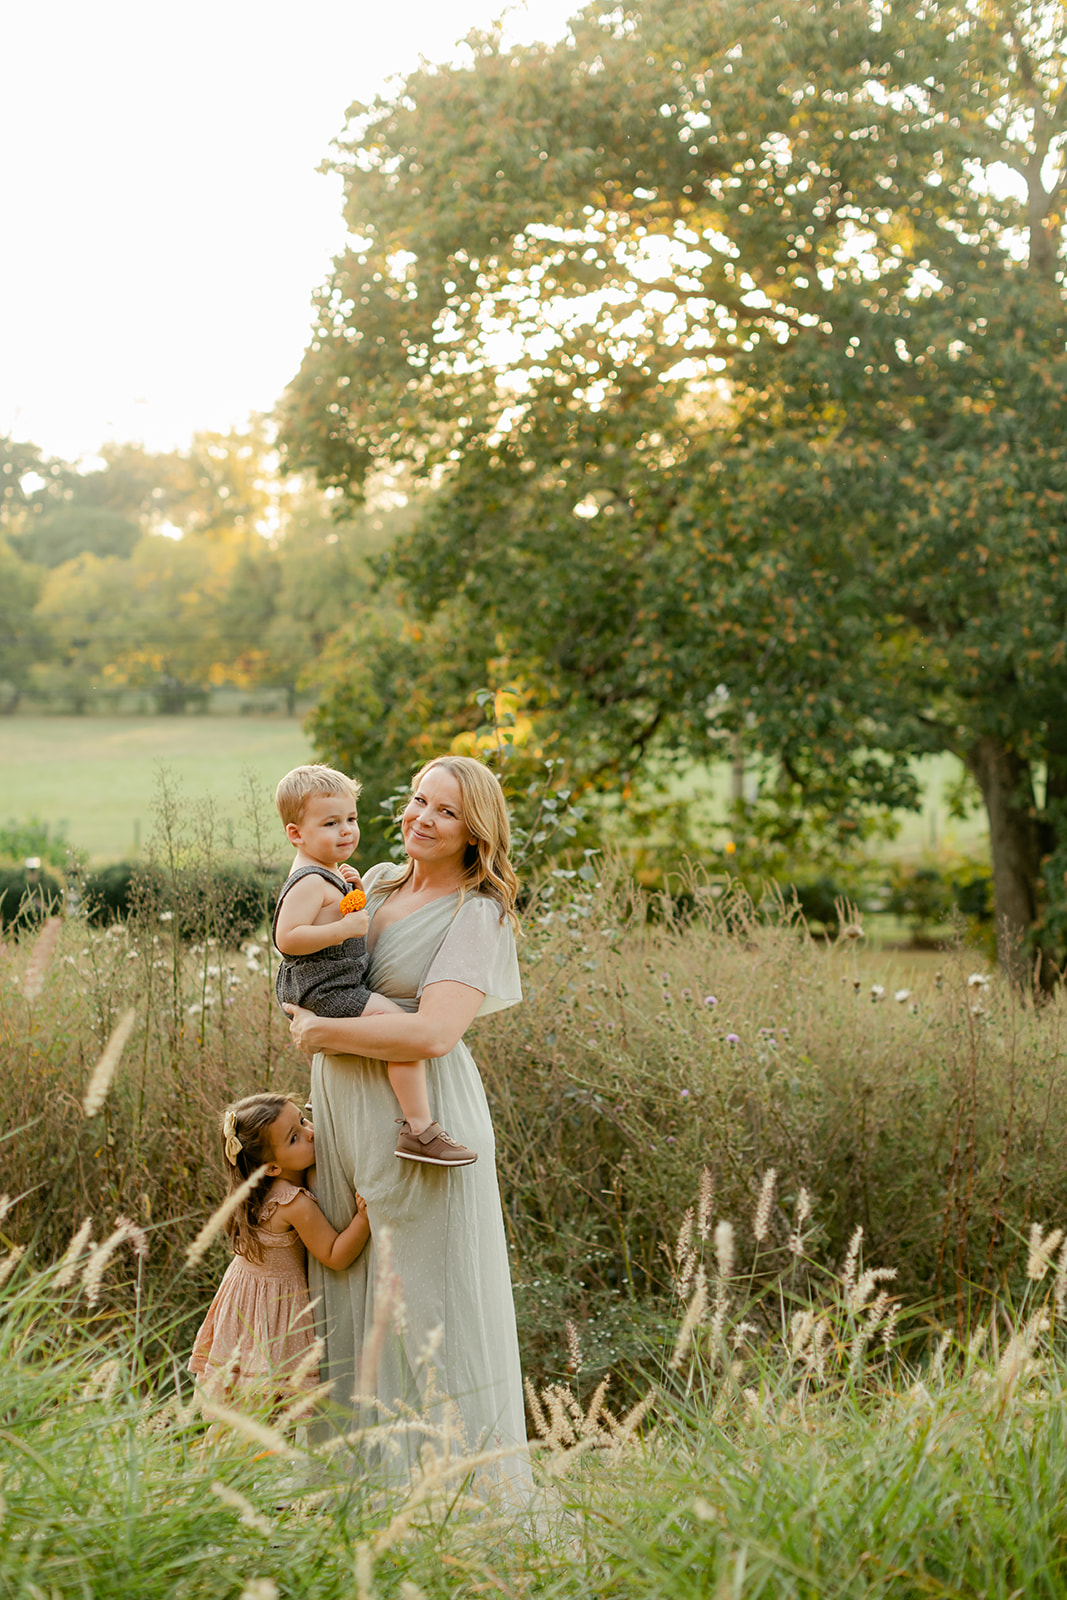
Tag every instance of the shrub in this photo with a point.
(27, 896)
(228, 900)
(34, 838)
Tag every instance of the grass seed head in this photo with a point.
(762, 1220)
(724, 1250)
(96, 1090)
(68, 1267)
(40, 960)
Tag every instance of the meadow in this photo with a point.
(783, 1221)
(790, 1290)
(96, 778)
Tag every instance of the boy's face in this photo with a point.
(328, 831)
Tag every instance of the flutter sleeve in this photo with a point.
(478, 950)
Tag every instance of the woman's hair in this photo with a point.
(486, 868)
(253, 1117)
(297, 787)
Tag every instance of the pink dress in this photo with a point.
(259, 1332)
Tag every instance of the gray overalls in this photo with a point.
(328, 982)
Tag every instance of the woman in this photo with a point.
(424, 1320)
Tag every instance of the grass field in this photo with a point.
(97, 775)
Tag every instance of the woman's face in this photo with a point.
(432, 825)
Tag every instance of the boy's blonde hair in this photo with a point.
(298, 786)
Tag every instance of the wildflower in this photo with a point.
(733, 1038)
(710, 1000)
(901, 995)
(762, 1219)
(685, 1094)
(195, 1009)
(978, 980)
(166, 916)
(259, 1588)
(852, 930)
(730, 847)
(354, 900)
(877, 991)
(96, 1090)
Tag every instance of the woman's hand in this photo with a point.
(446, 1010)
(302, 1028)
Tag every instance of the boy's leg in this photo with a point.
(407, 1079)
(420, 1137)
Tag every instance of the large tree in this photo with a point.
(733, 335)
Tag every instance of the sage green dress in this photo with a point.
(421, 1329)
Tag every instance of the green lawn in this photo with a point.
(97, 775)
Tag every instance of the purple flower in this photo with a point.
(733, 1038)
(685, 1094)
(710, 1000)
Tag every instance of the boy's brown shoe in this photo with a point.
(432, 1145)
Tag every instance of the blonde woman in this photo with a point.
(442, 946)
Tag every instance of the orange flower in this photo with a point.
(354, 900)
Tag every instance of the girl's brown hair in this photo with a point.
(486, 867)
(253, 1118)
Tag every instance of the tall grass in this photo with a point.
(810, 1459)
(646, 1052)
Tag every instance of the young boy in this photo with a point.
(324, 953)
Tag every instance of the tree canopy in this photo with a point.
(733, 338)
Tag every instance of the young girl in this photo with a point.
(258, 1336)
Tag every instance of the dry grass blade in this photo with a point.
(218, 1219)
(37, 970)
(96, 1090)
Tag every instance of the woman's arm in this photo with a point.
(445, 1012)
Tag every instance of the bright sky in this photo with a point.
(165, 226)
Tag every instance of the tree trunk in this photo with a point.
(1006, 783)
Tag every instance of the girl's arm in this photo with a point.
(445, 1012)
(297, 934)
(333, 1249)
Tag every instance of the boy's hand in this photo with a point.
(361, 1205)
(350, 875)
(355, 924)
